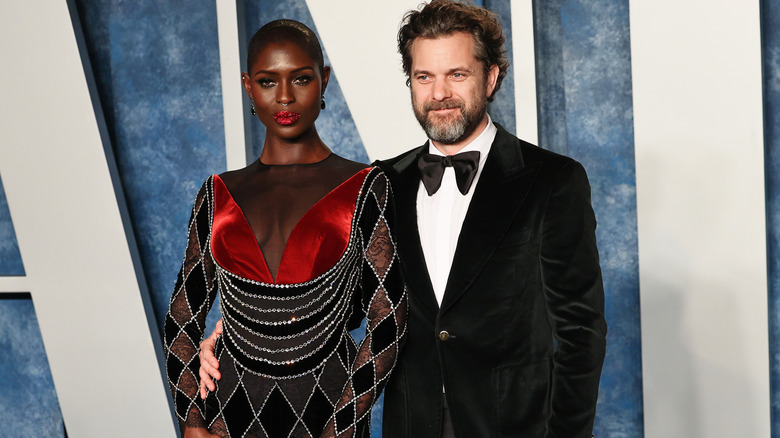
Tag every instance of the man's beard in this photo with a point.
(455, 128)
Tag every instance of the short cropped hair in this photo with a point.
(441, 18)
(280, 31)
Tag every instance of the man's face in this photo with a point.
(449, 88)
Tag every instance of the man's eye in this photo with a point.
(265, 83)
(423, 78)
(302, 80)
(458, 75)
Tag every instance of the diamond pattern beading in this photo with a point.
(289, 366)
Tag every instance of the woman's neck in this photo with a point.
(280, 152)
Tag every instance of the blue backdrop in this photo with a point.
(158, 75)
(770, 32)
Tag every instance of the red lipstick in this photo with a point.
(286, 118)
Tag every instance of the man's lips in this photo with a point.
(443, 113)
(443, 110)
(286, 118)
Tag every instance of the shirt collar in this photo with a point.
(480, 144)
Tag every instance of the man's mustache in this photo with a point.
(433, 106)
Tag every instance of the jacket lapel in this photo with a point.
(405, 183)
(502, 187)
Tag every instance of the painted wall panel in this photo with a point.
(364, 56)
(583, 74)
(551, 94)
(599, 127)
(71, 236)
(28, 401)
(770, 30)
(10, 258)
(158, 77)
(502, 109)
(702, 241)
(524, 71)
(233, 95)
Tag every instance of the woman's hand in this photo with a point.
(208, 362)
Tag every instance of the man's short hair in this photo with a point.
(441, 18)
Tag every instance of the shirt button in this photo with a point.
(444, 335)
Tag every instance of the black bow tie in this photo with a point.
(432, 170)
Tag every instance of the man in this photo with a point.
(498, 269)
(498, 247)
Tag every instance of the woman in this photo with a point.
(298, 244)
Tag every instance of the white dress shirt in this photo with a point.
(440, 217)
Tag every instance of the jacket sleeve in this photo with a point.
(384, 301)
(574, 296)
(192, 298)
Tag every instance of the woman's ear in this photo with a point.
(247, 82)
(325, 78)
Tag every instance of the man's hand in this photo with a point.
(209, 362)
(197, 432)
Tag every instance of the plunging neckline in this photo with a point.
(265, 271)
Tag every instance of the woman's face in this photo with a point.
(286, 86)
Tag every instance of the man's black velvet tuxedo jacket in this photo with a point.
(526, 271)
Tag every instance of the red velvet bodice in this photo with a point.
(316, 243)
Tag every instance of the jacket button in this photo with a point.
(444, 335)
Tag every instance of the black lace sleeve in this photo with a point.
(192, 298)
(385, 304)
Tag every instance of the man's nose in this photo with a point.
(441, 90)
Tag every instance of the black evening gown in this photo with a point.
(288, 363)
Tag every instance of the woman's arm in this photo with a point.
(191, 300)
(384, 301)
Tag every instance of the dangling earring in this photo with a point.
(322, 103)
(252, 108)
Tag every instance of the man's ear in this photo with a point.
(492, 78)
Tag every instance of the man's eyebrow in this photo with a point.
(460, 68)
(450, 71)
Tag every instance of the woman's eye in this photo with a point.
(302, 80)
(265, 83)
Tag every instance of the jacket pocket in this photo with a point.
(395, 409)
(522, 398)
